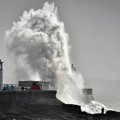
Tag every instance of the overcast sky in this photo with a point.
(94, 30)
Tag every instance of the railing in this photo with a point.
(11, 87)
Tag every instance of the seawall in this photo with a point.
(43, 105)
(11, 100)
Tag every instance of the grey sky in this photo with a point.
(94, 30)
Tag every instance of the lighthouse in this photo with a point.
(1, 75)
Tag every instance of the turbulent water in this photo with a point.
(40, 47)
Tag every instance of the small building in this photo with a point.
(87, 95)
(44, 85)
(87, 91)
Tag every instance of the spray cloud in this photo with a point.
(40, 48)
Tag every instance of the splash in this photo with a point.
(40, 48)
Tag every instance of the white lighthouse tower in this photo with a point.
(1, 75)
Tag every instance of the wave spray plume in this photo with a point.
(40, 48)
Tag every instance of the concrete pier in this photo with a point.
(12, 100)
(32, 103)
(42, 105)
